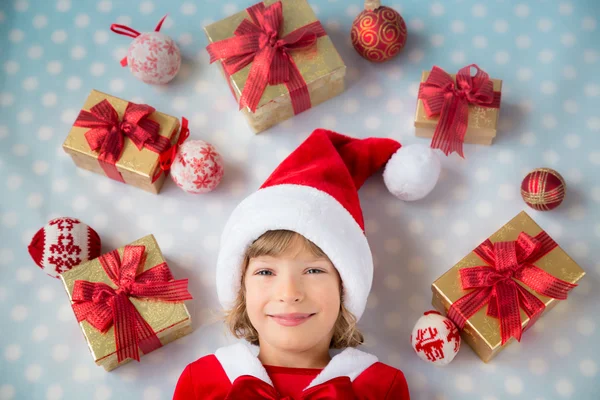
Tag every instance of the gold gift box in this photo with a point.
(321, 66)
(136, 166)
(482, 332)
(169, 320)
(483, 121)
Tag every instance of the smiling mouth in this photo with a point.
(291, 319)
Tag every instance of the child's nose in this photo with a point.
(290, 291)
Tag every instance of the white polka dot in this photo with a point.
(482, 174)
(35, 200)
(570, 72)
(50, 99)
(102, 392)
(437, 9)
(117, 85)
(586, 326)
(590, 56)
(12, 352)
(35, 52)
(190, 224)
(416, 226)
(416, 55)
(46, 294)
(10, 219)
(564, 387)
(574, 175)
(63, 5)
(16, 35)
(565, 8)
(523, 42)
(14, 182)
(78, 52)
(438, 246)
(596, 194)
(505, 156)
(548, 87)
(507, 191)
(146, 7)
(351, 106)
(21, 5)
(416, 24)
(104, 6)
(54, 392)
(461, 228)
(395, 105)
(81, 373)
(6, 256)
(457, 26)
(522, 10)
(588, 367)
(152, 393)
(437, 40)
(483, 209)
(33, 372)
(11, 67)
(562, 347)
(100, 37)
(7, 391)
(21, 149)
(60, 352)
(54, 67)
(480, 42)
(568, 39)
(372, 122)
(373, 90)
(570, 106)
(59, 36)
(39, 333)
(19, 313)
(501, 26)
(592, 90)
(188, 9)
(538, 366)
(6, 99)
(124, 20)
(479, 11)
(502, 57)
(30, 83)
(82, 20)
(458, 57)
(544, 25)
(464, 383)
(119, 53)
(549, 121)
(588, 24)
(593, 124)
(513, 385)
(551, 157)
(80, 203)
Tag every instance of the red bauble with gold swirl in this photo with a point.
(543, 189)
(378, 32)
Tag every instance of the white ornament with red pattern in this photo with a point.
(435, 339)
(62, 244)
(197, 168)
(153, 57)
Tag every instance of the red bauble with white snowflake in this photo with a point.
(197, 168)
(435, 338)
(62, 244)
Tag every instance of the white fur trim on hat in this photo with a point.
(312, 213)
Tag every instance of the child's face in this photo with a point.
(293, 300)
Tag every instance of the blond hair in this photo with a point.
(274, 243)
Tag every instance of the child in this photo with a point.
(294, 272)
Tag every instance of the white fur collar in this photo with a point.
(241, 359)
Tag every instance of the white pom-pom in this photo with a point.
(412, 172)
(435, 339)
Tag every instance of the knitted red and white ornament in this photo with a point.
(314, 192)
(62, 244)
(435, 339)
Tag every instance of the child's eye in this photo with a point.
(315, 271)
(264, 272)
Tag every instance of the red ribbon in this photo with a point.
(127, 31)
(167, 157)
(102, 306)
(495, 284)
(107, 133)
(259, 42)
(441, 96)
(248, 387)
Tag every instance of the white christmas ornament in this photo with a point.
(153, 57)
(197, 167)
(62, 244)
(435, 339)
(412, 172)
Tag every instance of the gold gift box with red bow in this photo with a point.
(320, 65)
(135, 166)
(482, 331)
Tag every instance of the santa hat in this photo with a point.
(314, 192)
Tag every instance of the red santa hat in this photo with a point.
(314, 192)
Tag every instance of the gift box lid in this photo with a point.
(314, 63)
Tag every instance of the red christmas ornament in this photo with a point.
(378, 32)
(543, 189)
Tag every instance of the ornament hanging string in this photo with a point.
(495, 284)
(132, 33)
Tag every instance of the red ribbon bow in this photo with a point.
(248, 387)
(127, 31)
(107, 132)
(259, 42)
(451, 102)
(495, 283)
(167, 157)
(102, 306)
